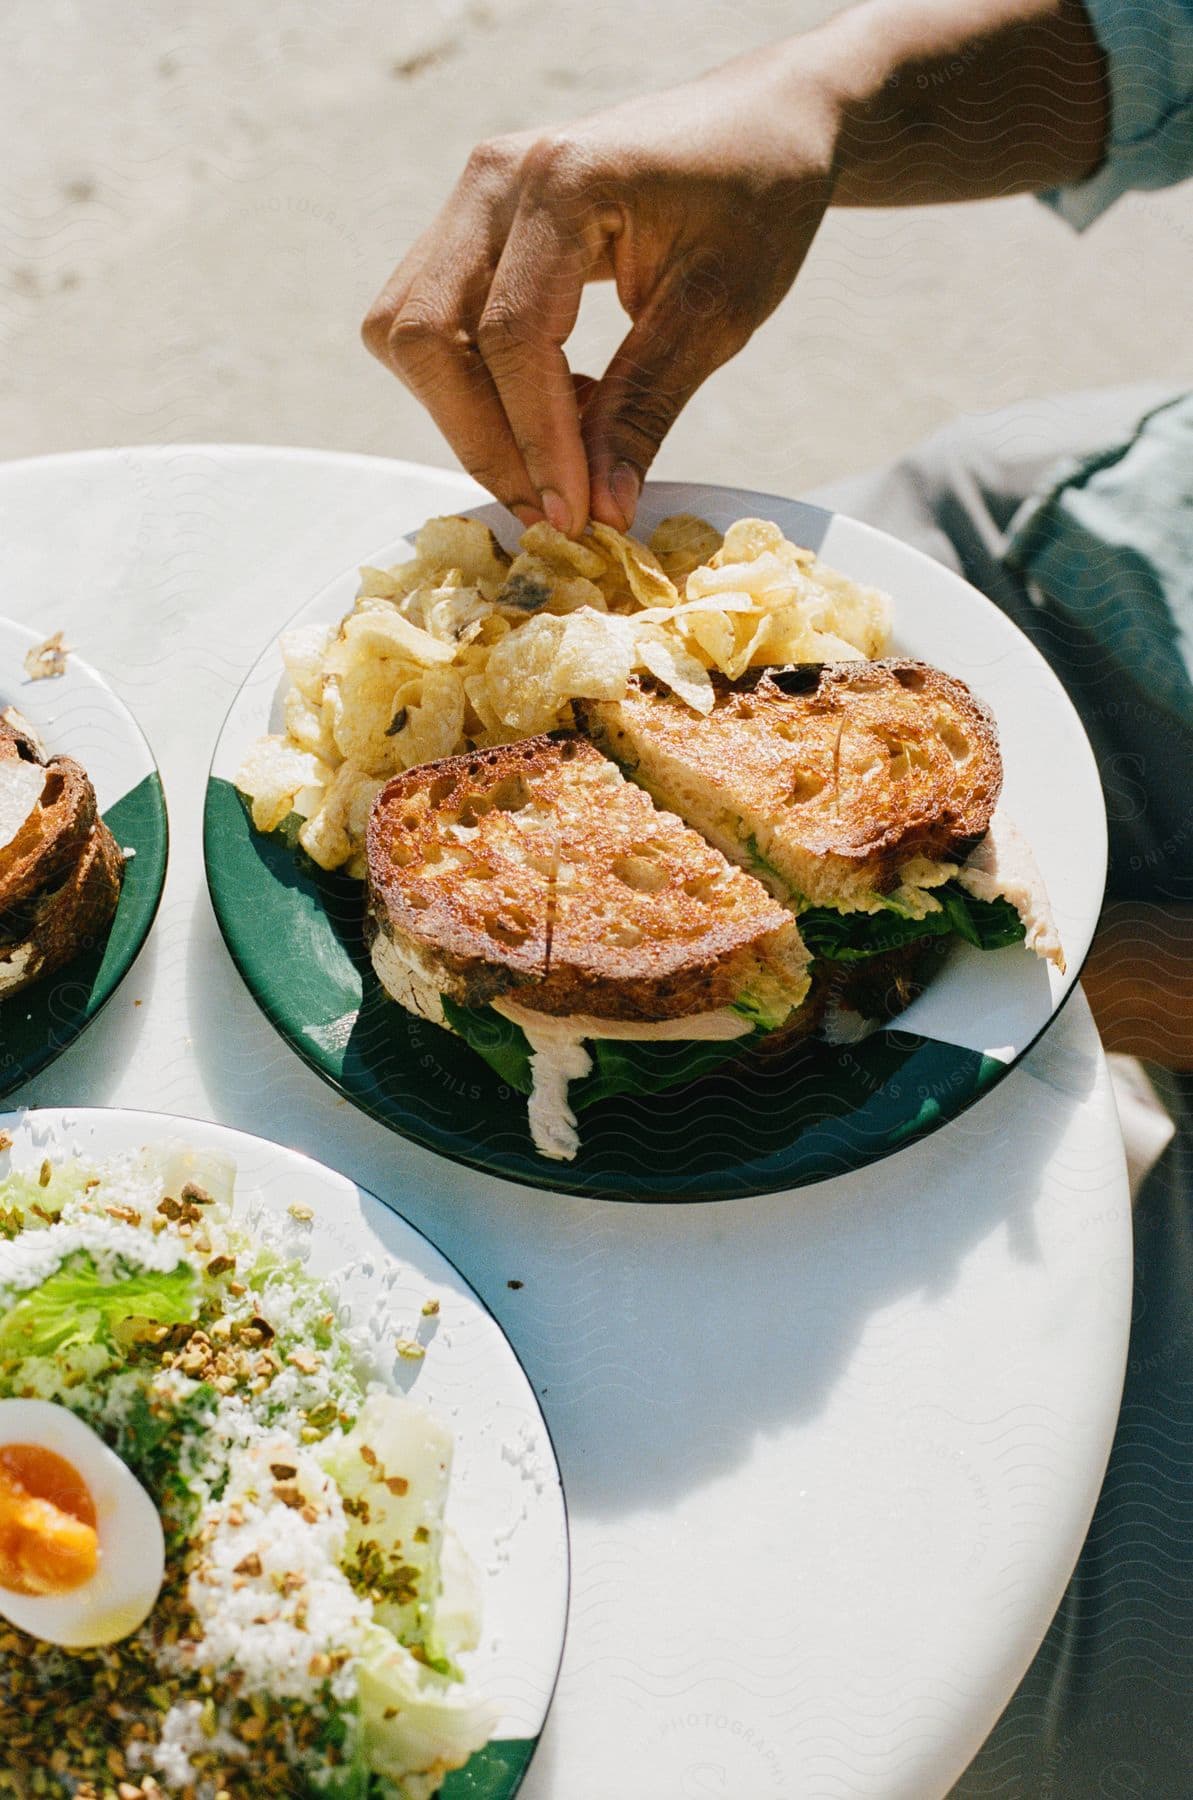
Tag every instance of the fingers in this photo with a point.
(422, 326)
(669, 351)
(429, 349)
(474, 321)
(528, 316)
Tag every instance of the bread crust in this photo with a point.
(844, 771)
(60, 877)
(534, 868)
(65, 920)
(53, 838)
(17, 738)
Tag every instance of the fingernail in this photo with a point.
(558, 512)
(625, 485)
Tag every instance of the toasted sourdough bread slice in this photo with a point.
(61, 873)
(828, 778)
(18, 738)
(49, 844)
(535, 871)
(58, 924)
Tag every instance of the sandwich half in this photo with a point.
(60, 867)
(864, 795)
(532, 900)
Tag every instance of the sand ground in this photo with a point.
(199, 198)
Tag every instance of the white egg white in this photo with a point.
(132, 1551)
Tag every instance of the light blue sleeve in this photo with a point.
(1149, 47)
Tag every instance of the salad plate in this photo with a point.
(405, 1329)
(76, 714)
(296, 932)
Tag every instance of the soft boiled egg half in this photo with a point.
(82, 1554)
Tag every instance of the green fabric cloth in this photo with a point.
(1104, 549)
(1110, 544)
(1149, 53)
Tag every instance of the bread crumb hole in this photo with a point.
(640, 874)
(954, 740)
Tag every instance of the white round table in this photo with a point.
(830, 1456)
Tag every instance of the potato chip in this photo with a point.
(763, 576)
(571, 593)
(463, 544)
(325, 838)
(529, 585)
(303, 650)
(862, 615)
(750, 638)
(308, 800)
(788, 637)
(673, 615)
(381, 584)
(364, 727)
(272, 773)
(682, 542)
(428, 717)
(562, 552)
(748, 539)
(595, 657)
(360, 791)
(493, 629)
(828, 647)
(375, 635)
(306, 727)
(648, 582)
(714, 633)
(451, 611)
(335, 833)
(521, 676)
(662, 656)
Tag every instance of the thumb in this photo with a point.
(664, 357)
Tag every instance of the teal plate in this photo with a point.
(769, 1123)
(760, 1123)
(78, 715)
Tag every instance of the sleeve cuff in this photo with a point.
(1149, 50)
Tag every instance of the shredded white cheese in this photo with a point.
(558, 1057)
(32, 1258)
(1004, 868)
(268, 1593)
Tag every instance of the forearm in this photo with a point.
(939, 101)
(1139, 982)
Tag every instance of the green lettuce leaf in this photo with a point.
(851, 937)
(76, 1306)
(619, 1066)
(413, 1721)
(502, 1044)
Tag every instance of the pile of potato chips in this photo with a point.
(463, 647)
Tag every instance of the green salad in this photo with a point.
(312, 1629)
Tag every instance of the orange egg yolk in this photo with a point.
(48, 1540)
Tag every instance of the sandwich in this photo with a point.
(586, 943)
(60, 867)
(864, 795)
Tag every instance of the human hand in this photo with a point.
(699, 203)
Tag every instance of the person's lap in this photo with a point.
(1104, 1710)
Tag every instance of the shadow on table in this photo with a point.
(86, 1073)
(662, 1339)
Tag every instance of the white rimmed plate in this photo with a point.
(817, 1114)
(77, 714)
(506, 1498)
